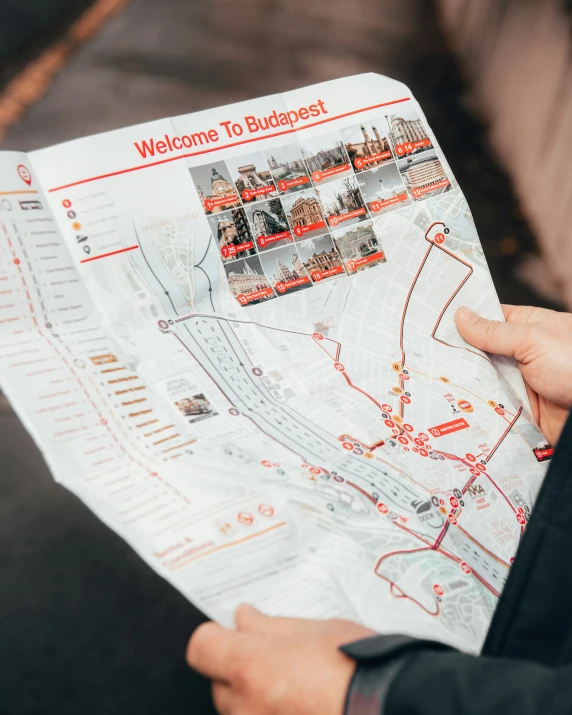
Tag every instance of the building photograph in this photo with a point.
(325, 156)
(359, 247)
(247, 282)
(196, 408)
(288, 168)
(367, 145)
(342, 202)
(285, 270)
(321, 259)
(251, 176)
(232, 234)
(214, 187)
(269, 224)
(424, 175)
(304, 215)
(407, 132)
(382, 189)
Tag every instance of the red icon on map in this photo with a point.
(438, 590)
(339, 367)
(439, 238)
(245, 518)
(382, 508)
(265, 510)
(24, 174)
(466, 568)
(66, 203)
(347, 445)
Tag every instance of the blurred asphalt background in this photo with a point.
(85, 626)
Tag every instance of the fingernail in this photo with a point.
(467, 315)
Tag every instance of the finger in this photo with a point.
(223, 698)
(524, 313)
(250, 620)
(492, 336)
(213, 651)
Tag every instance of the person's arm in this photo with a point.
(290, 666)
(425, 679)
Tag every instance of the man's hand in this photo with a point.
(276, 666)
(541, 342)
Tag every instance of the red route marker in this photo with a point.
(320, 275)
(243, 299)
(406, 400)
(232, 250)
(347, 445)
(265, 510)
(408, 147)
(360, 162)
(318, 176)
(317, 336)
(382, 508)
(301, 230)
(285, 184)
(377, 206)
(418, 191)
(438, 590)
(335, 220)
(408, 428)
(273, 237)
(283, 286)
(245, 518)
(387, 408)
(449, 427)
(248, 194)
(466, 568)
(339, 366)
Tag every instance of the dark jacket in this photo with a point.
(526, 662)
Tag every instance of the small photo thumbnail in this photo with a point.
(252, 177)
(247, 282)
(326, 157)
(383, 189)
(424, 175)
(216, 191)
(407, 132)
(285, 270)
(342, 202)
(304, 214)
(196, 408)
(287, 168)
(269, 224)
(367, 145)
(321, 258)
(359, 247)
(232, 233)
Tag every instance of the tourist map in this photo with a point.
(231, 335)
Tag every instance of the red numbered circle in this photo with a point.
(438, 590)
(382, 508)
(406, 400)
(408, 428)
(471, 457)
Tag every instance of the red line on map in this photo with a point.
(226, 146)
(111, 253)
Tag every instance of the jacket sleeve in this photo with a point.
(412, 677)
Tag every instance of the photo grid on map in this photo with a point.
(291, 217)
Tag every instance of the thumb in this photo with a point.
(492, 336)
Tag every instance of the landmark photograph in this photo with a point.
(367, 145)
(288, 168)
(326, 157)
(304, 215)
(214, 187)
(232, 234)
(321, 259)
(383, 189)
(342, 202)
(251, 176)
(407, 132)
(247, 282)
(269, 224)
(285, 270)
(359, 247)
(196, 408)
(424, 175)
